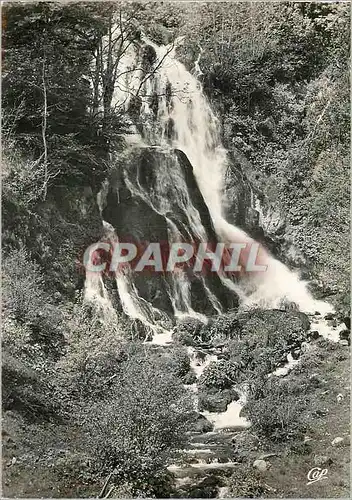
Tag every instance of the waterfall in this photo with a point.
(174, 114)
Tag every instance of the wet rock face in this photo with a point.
(155, 195)
(195, 194)
(239, 206)
(134, 220)
(237, 193)
(227, 299)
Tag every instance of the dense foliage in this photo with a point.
(278, 74)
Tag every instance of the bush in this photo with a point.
(266, 338)
(140, 425)
(220, 375)
(221, 327)
(187, 331)
(179, 362)
(27, 301)
(273, 325)
(191, 331)
(275, 409)
(245, 482)
(95, 350)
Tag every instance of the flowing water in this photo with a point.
(174, 114)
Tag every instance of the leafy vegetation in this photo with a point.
(275, 409)
(247, 483)
(278, 75)
(140, 424)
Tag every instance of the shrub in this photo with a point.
(27, 301)
(275, 409)
(141, 424)
(25, 390)
(95, 350)
(220, 375)
(266, 339)
(183, 338)
(221, 327)
(179, 362)
(187, 331)
(17, 340)
(245, 482)
(176, 360)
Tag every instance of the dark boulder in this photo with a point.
(216, 401)
(148, 55)
(345, 335)
(314, 335)
(201, 423)
(207, 487)
(295, 353)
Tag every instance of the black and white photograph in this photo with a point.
(175, 249)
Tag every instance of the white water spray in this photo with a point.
(195, 130)
(185, 120)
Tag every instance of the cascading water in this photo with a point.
(174, 114)
(168, 187)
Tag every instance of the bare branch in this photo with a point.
(156, 67)
(44, 131)
(103, 491)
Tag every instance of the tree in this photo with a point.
(46, 94)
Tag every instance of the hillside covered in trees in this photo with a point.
(96, 402)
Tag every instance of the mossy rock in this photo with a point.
(221, 328)
(189, 378)
(271, 324)
(208, 487)
(187, 331)
(201, 423)
(216, 401)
